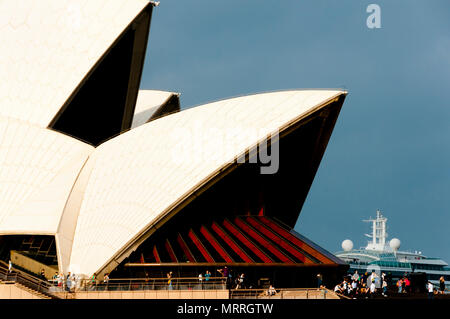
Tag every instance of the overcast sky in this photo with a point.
(390, 149)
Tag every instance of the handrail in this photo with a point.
(281, 293)
(38, 285)
(164, 278)
(180, 283)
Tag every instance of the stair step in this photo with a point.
(32, 291)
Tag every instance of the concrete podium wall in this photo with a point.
(11, 291)
(154, 294)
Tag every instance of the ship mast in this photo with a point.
(379, 234)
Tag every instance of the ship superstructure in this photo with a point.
(382, 256)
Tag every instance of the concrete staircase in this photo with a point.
(31, 291)
(20, 285)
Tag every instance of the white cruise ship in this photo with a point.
(382, 256)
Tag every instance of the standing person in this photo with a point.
(200, 280)
(9, 266)
(225, 274)
(73, 280)
(240, 284)
(55, 278)
(349, 289)
(69, 282)
(169, 280)
(60, 280)
(389, 279)
(384, 286)
(407, 285)
(400, 285)
(355, 276)
(272, 291)
(207, 275)
(361, 282)
(372, 278)
(442, 285)
(373, 289)
(354, 288)
(430, 289)
(404, 285)
(364, 277)
(106, 280)
(222, 271)
(146, 280)
(319, 280)
(344, 287)
(94, 281)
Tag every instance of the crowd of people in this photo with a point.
(364, 285)
(231, 280)
(370, 285)
(68, 282)
(71, 281)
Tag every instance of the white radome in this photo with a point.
(395, 243)
(347, 245)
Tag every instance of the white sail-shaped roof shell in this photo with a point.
(38, 169)
(47, 47)
(141, 175)
(147, 104)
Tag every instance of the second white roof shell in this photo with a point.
(141, 175)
